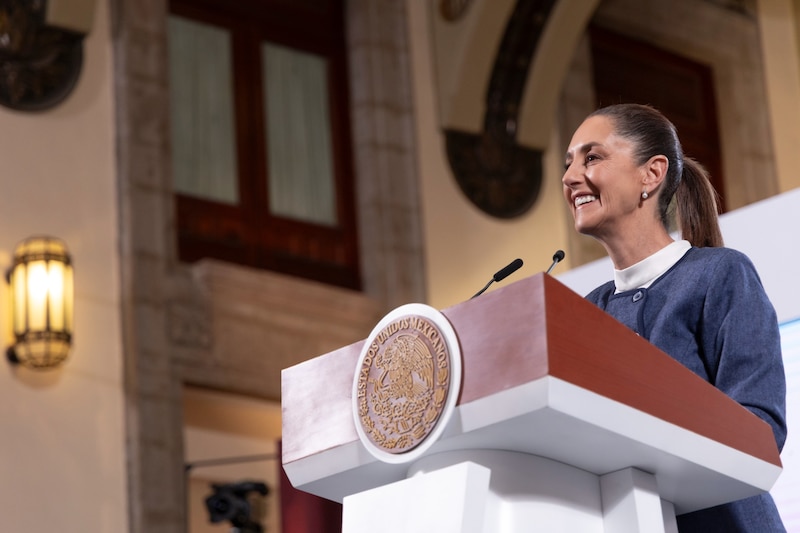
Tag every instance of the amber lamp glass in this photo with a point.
(40, 282)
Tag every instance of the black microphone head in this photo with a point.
(506, 271)
(557, 257)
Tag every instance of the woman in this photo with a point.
(701, 303)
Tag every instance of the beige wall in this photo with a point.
(463, 246)
(778, 21)
(63, 458)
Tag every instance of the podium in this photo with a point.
(565, 420)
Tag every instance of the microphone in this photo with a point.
(557, 258)
(501, 274)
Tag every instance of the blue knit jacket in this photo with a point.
(710, 312)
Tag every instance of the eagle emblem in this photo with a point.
(403, 384)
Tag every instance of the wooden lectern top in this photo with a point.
(548, 373)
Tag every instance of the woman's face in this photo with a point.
(602, 183)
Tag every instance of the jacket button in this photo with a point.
(638, 296)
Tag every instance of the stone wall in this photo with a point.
(228, 327)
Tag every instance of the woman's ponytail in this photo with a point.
(696, 205)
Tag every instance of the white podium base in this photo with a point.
(489, 491)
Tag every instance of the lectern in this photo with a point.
(563, 420)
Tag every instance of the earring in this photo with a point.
(644, 195)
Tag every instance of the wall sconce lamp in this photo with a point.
(40, 281)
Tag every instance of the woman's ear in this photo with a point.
(655, 171)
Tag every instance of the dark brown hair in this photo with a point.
(686, 180)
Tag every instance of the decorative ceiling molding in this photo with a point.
(497, 174)
(499, 71)
(39, 64)
(452, 10)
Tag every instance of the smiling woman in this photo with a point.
(628, 162)
(702, 304)
(602, 185)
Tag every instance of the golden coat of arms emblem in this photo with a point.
(403, 383)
